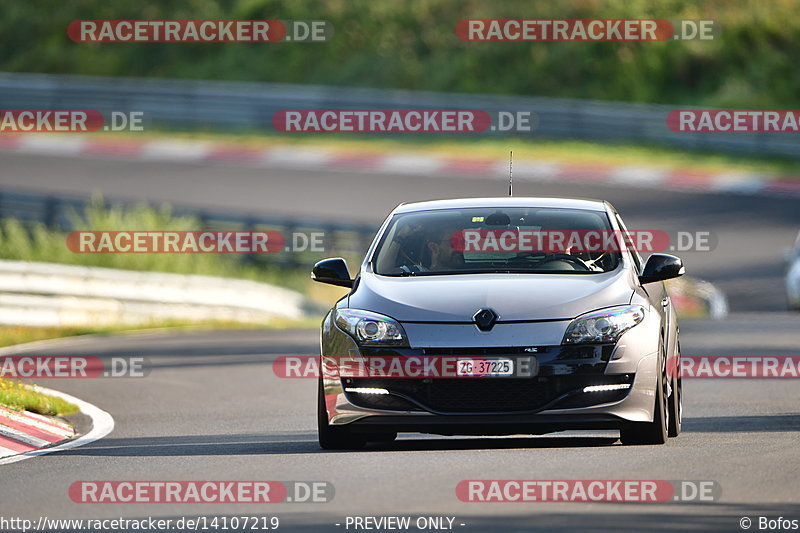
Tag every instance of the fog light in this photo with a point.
(366, 390)
(604, 388)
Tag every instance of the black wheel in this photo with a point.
(676, 400)
(332, 437)
(676, 407)
(381, 437)
(654, 432)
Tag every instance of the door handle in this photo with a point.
(665, 301)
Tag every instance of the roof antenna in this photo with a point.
(510, 173)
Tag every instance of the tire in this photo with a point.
(381, 437)
(676, 402)
(654, 432)
(333, 437)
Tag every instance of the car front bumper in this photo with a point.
(633, 359)
(593, 411)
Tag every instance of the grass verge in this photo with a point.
(15, 395)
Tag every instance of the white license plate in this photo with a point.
(485, 367)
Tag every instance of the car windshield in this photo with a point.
(494, 240)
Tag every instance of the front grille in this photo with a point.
(569, 352)
(479, 395)
(492, 350)
(490, 395)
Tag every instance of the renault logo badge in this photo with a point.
(485, 319)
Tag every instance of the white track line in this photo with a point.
(175, 151)
(102, 425)
(56, 144)
(4, 452)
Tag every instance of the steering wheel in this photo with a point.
(564, 257)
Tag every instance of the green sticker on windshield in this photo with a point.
(477, 219)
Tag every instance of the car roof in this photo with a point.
(504, 201)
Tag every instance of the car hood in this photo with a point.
(456, 298)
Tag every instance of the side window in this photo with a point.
(637, 259)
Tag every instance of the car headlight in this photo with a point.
(371, 329)
(606, 325)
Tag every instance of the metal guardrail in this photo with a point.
(53, 295)
(347, 240)
(228, 105)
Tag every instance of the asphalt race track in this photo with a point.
(212, 409)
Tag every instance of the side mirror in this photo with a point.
(333, 271)
(660, 267)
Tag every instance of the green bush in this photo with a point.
(412, 45)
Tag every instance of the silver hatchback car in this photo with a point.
(520, 316)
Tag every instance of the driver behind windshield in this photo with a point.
(425, 249)
(423, 243)
(443, 256)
